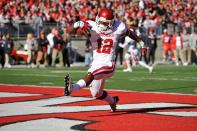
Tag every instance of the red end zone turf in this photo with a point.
(136, 110)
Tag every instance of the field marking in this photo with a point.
(46, 115)
(45, 83)
(81, 71)
(153, 92)
(33, 75)
(87, 88)
(13, 94)
(46, 106)
(31, 85)
(162, 79)
(46, 124)
(117, 70)
(67, 71)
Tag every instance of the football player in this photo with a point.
(104, 33)
(167, 45)
(133, 54)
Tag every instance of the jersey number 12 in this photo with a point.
(106, 47)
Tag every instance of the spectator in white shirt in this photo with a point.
(186, 48)
(50, 46)
(177, 42)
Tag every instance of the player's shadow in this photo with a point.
(145, 110)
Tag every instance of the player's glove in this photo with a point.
(79, 24)
(83, 25)
(142, 44)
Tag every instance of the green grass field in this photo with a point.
(171, 79)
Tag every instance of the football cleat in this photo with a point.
(113, 106)
(68, 85)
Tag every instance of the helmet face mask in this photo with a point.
(105, 21)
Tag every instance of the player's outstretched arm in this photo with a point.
(81, 28)
(75, 26)
(133, 36)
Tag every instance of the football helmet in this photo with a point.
(105, 20)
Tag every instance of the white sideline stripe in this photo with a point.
(106, 89)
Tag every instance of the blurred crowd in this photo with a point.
(165, 18)
(171, 14)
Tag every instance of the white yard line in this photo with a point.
(34, 75)
(46, 83)
(161, 79)
(67, 71)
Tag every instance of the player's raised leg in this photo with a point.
(82, 83)
(143, 64)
